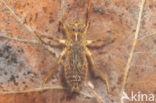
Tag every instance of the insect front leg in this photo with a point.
(105, 39)
(102, 75)
(55, 67)
(88, 16)
(64, 17)
(44, 38)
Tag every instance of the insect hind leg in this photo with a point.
(102, 75)
(54, 69)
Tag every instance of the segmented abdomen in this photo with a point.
(75, 80)
(75, 69)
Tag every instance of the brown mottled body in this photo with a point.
(76, 63)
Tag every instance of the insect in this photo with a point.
(75, 49)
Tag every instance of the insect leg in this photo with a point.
(41, 38)
(104, 39)
(88, 17)
(49, 75)
(64, 17)
(55, 68)
(102, 75)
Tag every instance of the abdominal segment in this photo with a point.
(74, 81)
